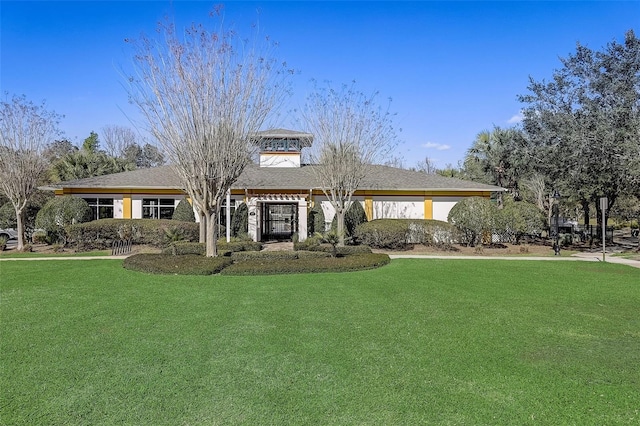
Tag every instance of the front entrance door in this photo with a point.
(279, 221)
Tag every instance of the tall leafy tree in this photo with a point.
(584, 125)
(87, 162)
(25, 130)
(496, 158)
(203, 94)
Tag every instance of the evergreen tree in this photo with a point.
(184, 211)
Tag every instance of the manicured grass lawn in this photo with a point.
(415, 342)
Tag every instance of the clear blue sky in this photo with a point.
(452, 68)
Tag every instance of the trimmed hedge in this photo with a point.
(182, 247)
(277, 255)
(100, 234)
(328, 248)
(253, 263)
(179, 265)
(239, 245)
(271, 266)
(398, 234)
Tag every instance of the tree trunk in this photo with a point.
(20, 226)
(203, 228)
(585, 209)
(340, 226)
(212, 234)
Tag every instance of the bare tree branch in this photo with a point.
(25, 131)
(351, 132)
(203, 95)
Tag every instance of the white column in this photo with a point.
(302, 220)
(228, 221)
(253, 219)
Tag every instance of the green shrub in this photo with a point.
(184, 211)
(240, 220)
(517, 219)
(473, 217)
(8, 216)
(398, 234)
(306, 254)
(264, 255)
(3, 243)
(184, 247)
(189, 264)
(277, 255)
(311, 243)
(39, 237)
(315, 220)
(100, 234)
(430, 232)
(307, 265)
(342, 251)
(384, 233)
(59, 212)
(237, 244)
(354, 216)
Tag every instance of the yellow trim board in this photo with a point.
(428, 208)
(126, 206)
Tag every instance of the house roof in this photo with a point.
(306, 139)
(291, 178)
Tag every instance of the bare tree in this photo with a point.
(539, 194)
(427, 166)
(25, 131)
(351, 132)
(203, 96)
(117, 138)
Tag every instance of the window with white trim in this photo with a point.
(158, 208)
(101, 208)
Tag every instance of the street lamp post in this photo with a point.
(556, 205)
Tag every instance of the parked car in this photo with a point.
(9, 234)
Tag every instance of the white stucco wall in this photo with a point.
(279, 160)
(398, 207)
(442, 206)
(329, 211)
(118, 210)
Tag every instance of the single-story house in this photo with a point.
(279, 191)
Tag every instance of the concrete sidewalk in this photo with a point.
(580, 257)
(64, 258)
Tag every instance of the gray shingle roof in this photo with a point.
(306, 139)
(273, 178)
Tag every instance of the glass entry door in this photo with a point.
(279, 221)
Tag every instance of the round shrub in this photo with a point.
(473, 217)
(60, 212)
(184, 211)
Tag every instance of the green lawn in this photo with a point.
(13, 254)
(462, 342)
